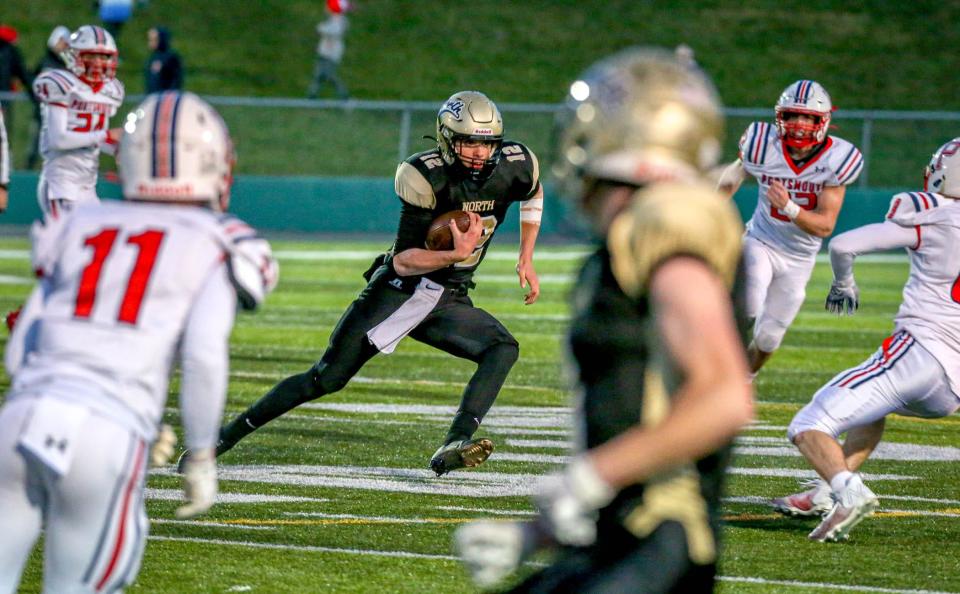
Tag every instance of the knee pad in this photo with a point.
(815, 416)
(768, 334)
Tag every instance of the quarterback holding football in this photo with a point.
(424, 293)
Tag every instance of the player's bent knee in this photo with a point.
(325, 379)
(813, 417)
(504, 353)
(769, 335)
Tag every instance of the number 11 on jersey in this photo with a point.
(148, 246)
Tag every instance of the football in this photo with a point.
(439, 236)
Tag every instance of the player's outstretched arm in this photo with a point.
(204, 363)
(525, 270)
(844, 296)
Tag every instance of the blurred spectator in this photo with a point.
(330, 50)
(11, 68)
(113, 14)
(164, 70)
(52, 59)
(4, 165)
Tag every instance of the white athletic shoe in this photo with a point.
(851, 505)
(815, 501)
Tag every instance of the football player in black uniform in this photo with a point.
(424, 294)
(660, 362)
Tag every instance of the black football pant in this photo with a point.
(454, 326)
(619, 562)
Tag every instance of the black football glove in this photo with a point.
(844, 298)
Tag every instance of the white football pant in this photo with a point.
(93, 515)
(901, 377)
(55, 202)
(776, 285)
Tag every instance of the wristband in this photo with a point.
(792, 209)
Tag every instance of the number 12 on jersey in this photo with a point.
(147, 245)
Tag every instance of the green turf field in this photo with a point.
(337, 497)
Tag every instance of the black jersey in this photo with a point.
(625, 376)
(427, 187)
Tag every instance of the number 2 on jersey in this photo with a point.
(147, 245)
(805, 200)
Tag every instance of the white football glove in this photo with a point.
(199, 483)
(844, 297)
(491, 550)
(162, 449)
(569, 503)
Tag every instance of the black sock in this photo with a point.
(464, 425)
(482, 390)
(285, 396)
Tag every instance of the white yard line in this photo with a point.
(822, 585)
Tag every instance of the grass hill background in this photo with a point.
(869, 55)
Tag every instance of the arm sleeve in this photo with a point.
(844, 248)
(4, 154)
(413, 226)
(204, 351)
(62, 139)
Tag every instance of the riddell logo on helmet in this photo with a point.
(482, 131)
(166, 190)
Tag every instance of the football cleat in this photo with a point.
(815, 501)
(851, 505)
(467, 453)
(182, 460)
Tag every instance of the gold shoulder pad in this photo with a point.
(674, 219)
(413, 188)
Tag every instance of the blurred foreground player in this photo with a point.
(655, 340)
(129, 289)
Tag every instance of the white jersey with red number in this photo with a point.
(126, 288)
(76, 119)
(765, 157)
(931, 298)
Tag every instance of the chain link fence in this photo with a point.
(359, 138)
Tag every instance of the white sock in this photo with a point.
(839, 480)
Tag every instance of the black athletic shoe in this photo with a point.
(461, 454)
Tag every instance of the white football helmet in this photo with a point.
(806, 97)
(86, 44)
(637, 117)
(176, 148)
(942, 175)
(469, 115)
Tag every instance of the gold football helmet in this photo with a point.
(636, 117)
(469, 116)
